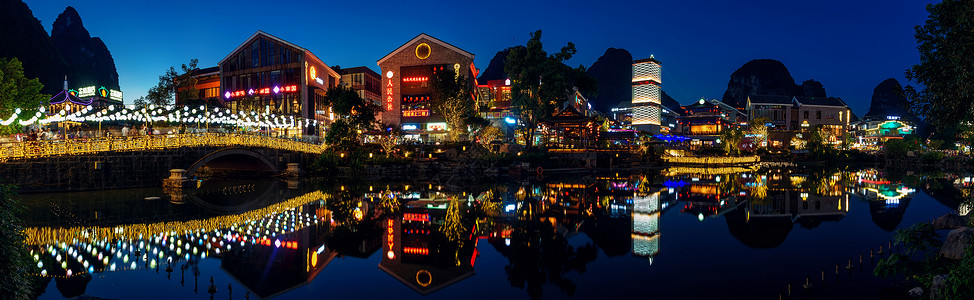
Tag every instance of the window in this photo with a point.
(806, 114)
(255, 54)
(818, 114)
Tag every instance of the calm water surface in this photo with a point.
(680, 233)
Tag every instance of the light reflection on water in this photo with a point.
(584, 236)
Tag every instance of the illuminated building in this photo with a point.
(72, 100)
(706, 119)
(646, 79)
(270, 75)
(406, 76)
(871, 133)
(789, 116)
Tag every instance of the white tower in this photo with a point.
(646, 78)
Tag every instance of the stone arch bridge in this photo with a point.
(124, 162)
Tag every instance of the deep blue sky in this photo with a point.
(849, 45)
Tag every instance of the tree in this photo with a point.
(16, 91)
(390, 137)
(945, 74)
(541, 83)
(175, 85)
(758, 130)
(732, 139)
(15, 261)
(453, 99)
(354, 115)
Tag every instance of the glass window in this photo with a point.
(254, 54)
(818, 114)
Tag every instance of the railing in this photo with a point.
(38, 149)
(88, 234)
(717, 160)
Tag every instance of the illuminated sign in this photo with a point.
(436, 126)
(87, 91)
(423, 51)
(312, 73)
(390, 238)
(115, 95)
(415, 250)
(103, 92)
(389, 91)
(415, 79)
(73, 92)
(261, 91)
(416, 113)
(416, 217)
(409, 127)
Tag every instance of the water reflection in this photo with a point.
(274, 237)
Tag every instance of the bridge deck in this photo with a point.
(24, 150)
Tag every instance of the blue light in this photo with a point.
(510, 120)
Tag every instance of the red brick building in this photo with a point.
(406, 76)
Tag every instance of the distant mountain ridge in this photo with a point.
(68, 51)
(767, 77)
(889, 100)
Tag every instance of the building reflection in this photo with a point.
(887, 199)
(428, 237)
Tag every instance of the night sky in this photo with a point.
(849, 45)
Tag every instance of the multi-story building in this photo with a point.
(646, 79)
(871, 133)
(364, 81)
(706, 119)
(406, 74)
(788, 117)
(270, 75)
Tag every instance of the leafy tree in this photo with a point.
(16, 91)
(15, 261)
(945, 74)
(731, 140)
(758, 130)
(354, 115)
(541, 82)
(453, 99)
(172, 83)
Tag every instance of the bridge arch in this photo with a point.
(240, 158)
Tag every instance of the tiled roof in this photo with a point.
(830, 101)
(772, 99)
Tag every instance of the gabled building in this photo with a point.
(789, 116)
(268, 74)
(406, 76)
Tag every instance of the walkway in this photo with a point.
(39, 149)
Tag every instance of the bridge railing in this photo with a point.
(37, 149)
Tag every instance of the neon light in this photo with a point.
(390, 238)
(416, 113)
(415, 250)
(423, 51)
(389, 91)
(312, 73)
(416, 217)
(262, 91)
(409, 127)
(415, 79)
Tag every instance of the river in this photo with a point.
(680, 233)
